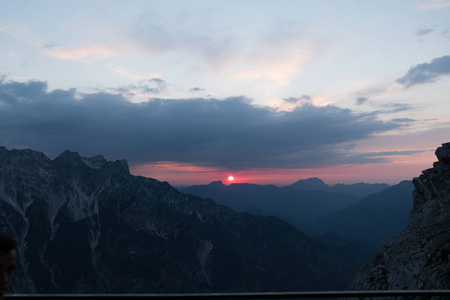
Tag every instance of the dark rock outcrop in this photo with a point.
(419, 257)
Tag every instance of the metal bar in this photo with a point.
(235, 296)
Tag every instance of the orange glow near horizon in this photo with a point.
(401, 167)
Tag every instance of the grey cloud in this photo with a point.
(390, 153)
(396, 107)
(403, 120)
(157, 86)
(426, 72)
(229, 133)
(422, 32)
(302, 99)
(153, 86)
(389, 108)
(196, 89)
(361, 100)
(379, 157)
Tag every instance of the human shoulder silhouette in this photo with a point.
(8, 262)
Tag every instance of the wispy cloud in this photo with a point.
(230, 133)
(361, 100)
(92, 52)
(82, 53)
(151, 87)
(25, 36)
(426, 72)
(383, 156)
(422, 32)
(196, 89)
(403, 120)
(434, 4)
(302, 99)
(276, 54)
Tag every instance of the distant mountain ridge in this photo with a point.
(310, 184)
(86, 225)
(376, 219)
(301, 203)
(298, 207)
(357, 189)
(311, 206)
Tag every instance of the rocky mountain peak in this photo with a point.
(310, 184)
(95, 162)
(217, 183)
(21, 155)
(69, 159)
(419, 257)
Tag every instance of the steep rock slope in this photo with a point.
(85, 225)
(419, 257)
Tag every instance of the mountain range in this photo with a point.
(86, 225)
(361, 189)
(299, 207)
(316, 208)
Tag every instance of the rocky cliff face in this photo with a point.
(419, 257)
(85, 225)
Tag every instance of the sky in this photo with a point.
(192, 92)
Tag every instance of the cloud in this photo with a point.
(23, 35)
(389, 108)
(381, 155)
(91, 52)
(157, 85)
(196, 89)
(361, 100)
(231, 133)
(301, 99)
(276, 53)
(434, 4)
(403, 120)
(153, 86)
(422, 32)
(426, 72)
(84, 53)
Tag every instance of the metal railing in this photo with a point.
(409, 294)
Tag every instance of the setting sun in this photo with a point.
(230, 178)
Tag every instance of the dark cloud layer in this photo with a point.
(426, 72)
(230, 133)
